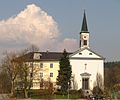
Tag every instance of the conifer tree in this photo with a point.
(64, 74)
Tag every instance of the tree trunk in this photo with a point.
(26, 93)
(12, 88)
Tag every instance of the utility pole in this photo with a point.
(68, 90)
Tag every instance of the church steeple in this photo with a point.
(84, 24)
(84, 34)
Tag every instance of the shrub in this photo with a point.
(97, 91)
(75, 94)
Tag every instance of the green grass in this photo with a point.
(45, 94)
(55, 97)
(65, 97)
(59, 97)
(116, 95)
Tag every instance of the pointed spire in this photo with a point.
(84, 24)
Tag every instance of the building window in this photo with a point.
(31, 64)
(37, 56)
(41, 65)
(41, 75)
(31, 74)
(36, 84)
(41, 83)
(80, 53)
(85, 83)
(90, 53)
(51, 65)
(51, 74)
(85, 42)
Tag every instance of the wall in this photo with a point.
(92, 67)
(46, 70)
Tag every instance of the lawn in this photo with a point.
(116, 95)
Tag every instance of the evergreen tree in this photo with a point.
(64, 74)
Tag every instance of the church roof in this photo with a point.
(53, 56)
(84, 24)
(86, 48)
(42, 56)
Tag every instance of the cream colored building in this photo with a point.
(45, 66)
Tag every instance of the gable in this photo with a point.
(85, 53)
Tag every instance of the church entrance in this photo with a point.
(85, 83)
(85, 80)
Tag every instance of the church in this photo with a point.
(85, 64)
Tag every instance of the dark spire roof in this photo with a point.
(84, 24)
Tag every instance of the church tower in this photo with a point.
(84, 34)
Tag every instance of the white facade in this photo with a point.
(86, 61)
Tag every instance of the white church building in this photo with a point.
(85, 63)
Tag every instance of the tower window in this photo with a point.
(80, 43)
(85, 42)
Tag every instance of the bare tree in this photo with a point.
(74, 83)
(5, 85)
(98, 85)
(32, 48)
(112, 69)
(10, 68)
(27, 71)
(14, 65)
(99, 80)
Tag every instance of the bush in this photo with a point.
(36, 93)
(19, 94)
(116, 87)
(59, 92)
(40, 94)
(97, 91)
(75, 94)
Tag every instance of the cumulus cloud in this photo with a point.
(32, 26)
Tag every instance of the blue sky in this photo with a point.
(102, 16)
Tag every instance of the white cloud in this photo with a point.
(32, 26)
(69, 44)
